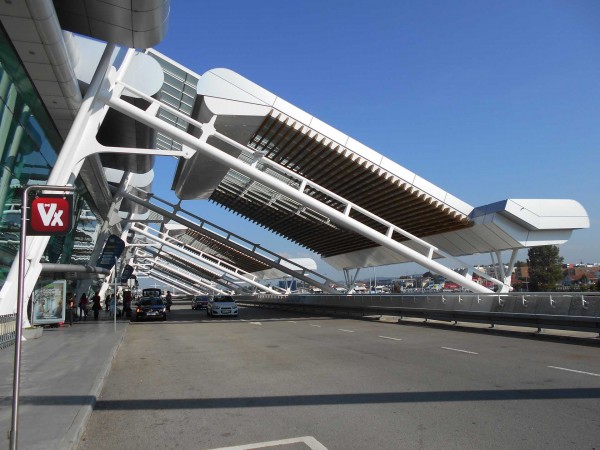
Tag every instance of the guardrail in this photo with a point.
(568, 311)
(8, 330)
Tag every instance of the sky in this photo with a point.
(488, 100)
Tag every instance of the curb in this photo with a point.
(73, 435)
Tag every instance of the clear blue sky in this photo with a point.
(487, 99)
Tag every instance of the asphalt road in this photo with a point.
(313, 383)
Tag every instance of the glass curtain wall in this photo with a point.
(29, 144)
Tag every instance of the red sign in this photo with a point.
(50, 215)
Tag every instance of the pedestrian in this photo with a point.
(96, 307)
(113, 306)
(169, 300)
(126, 305)
(83, 301)
(107, 302)
(71, 308)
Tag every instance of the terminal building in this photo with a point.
(87, 102)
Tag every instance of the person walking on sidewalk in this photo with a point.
(71, 308)
(83, 311)
(113, 306)
(96, 307)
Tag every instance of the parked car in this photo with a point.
(222, 305)
(200, 301)
(150, 308)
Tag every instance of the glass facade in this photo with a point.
(29, 145)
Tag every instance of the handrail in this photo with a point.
(553, 310)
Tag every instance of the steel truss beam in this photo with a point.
(297, 190)
(199, 286)
(174, 262)
(196, 255)
(253, 250)
(188, 266)
(158, 266)
(165, 279)
(179, 269)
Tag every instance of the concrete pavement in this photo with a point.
(64, 371)
(62, 375)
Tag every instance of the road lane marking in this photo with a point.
(390, 338)
(310, 441)
(255, 323)
(313, 325)
(459, 350)
(347, 331)
(575, 371)
(291, 321)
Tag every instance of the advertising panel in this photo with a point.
(49, 303)
(112, 249)
(127, 274)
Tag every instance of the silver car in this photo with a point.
(222, 305)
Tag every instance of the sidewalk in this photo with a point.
(62, 374)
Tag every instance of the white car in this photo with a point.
(222, 305)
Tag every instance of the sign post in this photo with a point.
(115, 295)
(51, 215)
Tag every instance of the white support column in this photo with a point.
(108, 225)
(65, 170)
(350, 279)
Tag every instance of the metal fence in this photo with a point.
(8, 330)
(574, 311)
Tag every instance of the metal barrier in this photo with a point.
(8, 330)
(570, 311)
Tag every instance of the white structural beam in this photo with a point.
(181, 273)
(158, 256)
(343, 219)
(254, 250)
(199, 256)
(166, 279)
(65, 171)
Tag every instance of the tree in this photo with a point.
(545, 268)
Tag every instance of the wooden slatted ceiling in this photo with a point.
(338, 170)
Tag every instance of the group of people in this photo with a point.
(78, 310)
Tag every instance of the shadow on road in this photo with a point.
(318, 400)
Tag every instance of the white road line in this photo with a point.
(255, 323)
(291, 321)
(390, 338)
(310, 441)
(347, 331)
(313, 325)
(575, 371)
(459, 350)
